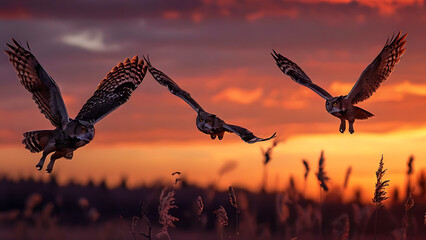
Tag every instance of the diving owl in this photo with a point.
(206, 122)
(70, 134)
(343, 107)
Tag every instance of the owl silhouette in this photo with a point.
(206, 122)
(70, 134)
(343, 107)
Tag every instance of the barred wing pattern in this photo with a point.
(296, 73)
(245, 134)
(45, 92)
(114, 90)
(379, 70)
(164, 80)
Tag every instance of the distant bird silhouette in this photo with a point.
(206, 122)
(70, 134)
(343, 106)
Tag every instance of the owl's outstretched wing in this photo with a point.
(114, 90)
(296, 73)
(379, 70)
(164, 80)
(245, 134)
(45, 92)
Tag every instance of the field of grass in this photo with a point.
(31, 209)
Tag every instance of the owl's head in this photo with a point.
(205, 122)
(334, 105)
(82, 130)
(210, 124)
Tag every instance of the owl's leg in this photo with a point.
(342, 125)
(213, 136)
(40, 163)
(53, 158)
(220, 135)
(351, 125)
(47, 150)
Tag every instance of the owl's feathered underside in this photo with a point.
(34, 78)
(296, 74)
(164, 80)
(379, 70)
(114, 90)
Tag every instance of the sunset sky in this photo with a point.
(219, 51)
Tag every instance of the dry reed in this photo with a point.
(347, 175)
(167, 202)
(379, 191)
(221, 216)
(232, 197)
(306, 164)
(321, 174)
(200, 205)
(341, 227)
(222, 219)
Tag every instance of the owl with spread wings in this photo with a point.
(343, 107)
(206, 122)
(70, 134)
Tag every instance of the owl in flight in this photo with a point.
(206, 122)
(343, 106)
(70, 134)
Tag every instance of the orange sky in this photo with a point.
(219, 52)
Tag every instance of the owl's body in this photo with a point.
(63, 142)
(211, 125)
(343, 107)
(70, 134)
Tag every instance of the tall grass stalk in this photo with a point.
(322, 179)
(233, 201)
(379, 192)
(305, 176)
(222, 219)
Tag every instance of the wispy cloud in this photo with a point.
(238, 95)
(387, 93)
(89, 40)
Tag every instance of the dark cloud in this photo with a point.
(194, 10)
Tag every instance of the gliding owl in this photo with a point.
(343, 106)
(206, 122)
(70, 134)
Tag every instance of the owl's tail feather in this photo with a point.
(36, 141)
(362, 114)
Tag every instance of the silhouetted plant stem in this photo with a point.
(376, 222)
(320, 206)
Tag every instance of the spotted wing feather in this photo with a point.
(296, 73)
(164, 80)
(114, 90)
(245, 134)
(379, 70)
(35, 79)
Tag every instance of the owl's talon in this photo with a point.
(39, 167)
